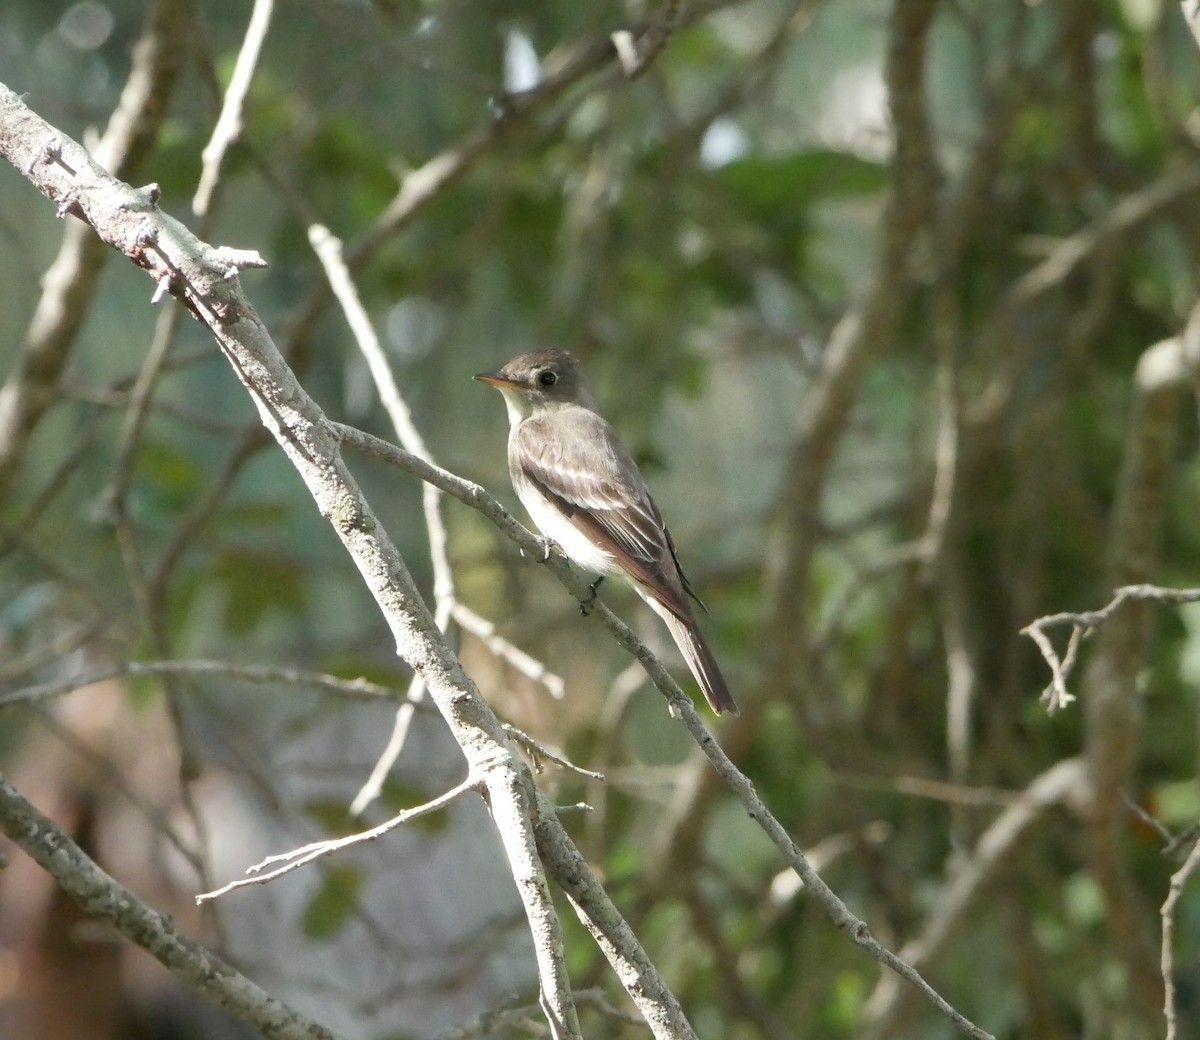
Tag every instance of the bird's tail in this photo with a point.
(700, 660)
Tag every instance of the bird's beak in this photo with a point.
(498, 380)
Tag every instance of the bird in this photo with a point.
(580, 485)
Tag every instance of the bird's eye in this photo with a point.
(547, 378)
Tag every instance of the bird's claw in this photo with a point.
(587, 605)
(547, 546)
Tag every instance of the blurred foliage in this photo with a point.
(695, 235)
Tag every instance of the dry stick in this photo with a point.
(1112, 705)
(1178, 880)
(103, 897)
(70, 281)
(207, 284)
(356, 689)
(229, 123)
(329, 252)
(1083, 623)
(1062, 784)
(296, 858)
(538, 751)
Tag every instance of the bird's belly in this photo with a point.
(550, 521)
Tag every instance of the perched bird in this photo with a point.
(584, 491)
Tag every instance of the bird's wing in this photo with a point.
(593, 479)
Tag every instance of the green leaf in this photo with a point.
(1177, 802)
(353, 664)
(256, 583)
(170, 472)
(334, 903)
(333, 815)
(398, 795)
(771, 184)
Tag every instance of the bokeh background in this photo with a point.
(870, 291)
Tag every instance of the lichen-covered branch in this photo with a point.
(107, 900)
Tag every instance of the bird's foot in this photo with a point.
(546, 547)
(586, 606)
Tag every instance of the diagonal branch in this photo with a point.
(229, 123)
(70, 281)
(104, 898)
(1178, 880)
(1065, 783)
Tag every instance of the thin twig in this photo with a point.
(528, 665)
(1174, 892)
(329, 251)
(106, 900)
(229, 123)
(296, 858)
(1082, 624)
(359, 689)
(539, 751)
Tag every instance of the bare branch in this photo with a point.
(1063, 784)
(539, 751)
(104, 898)
(329, 252)
(306, 854)
(70, 281)
(229, 123)
(1082, 624)
(356, 689)
(1174, 892)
